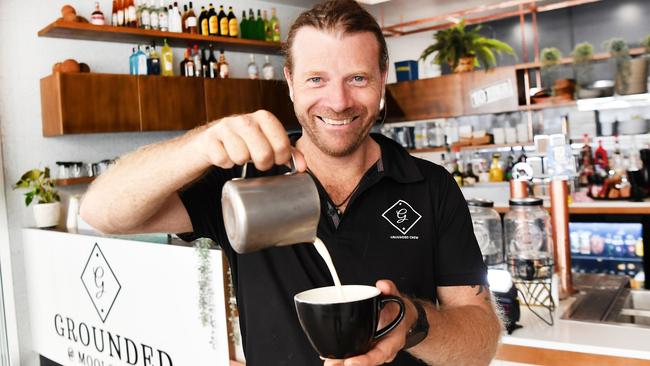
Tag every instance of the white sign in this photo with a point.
(493, 93)
(105, 302)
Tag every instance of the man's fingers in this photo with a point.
(301, 163)
(258, 145)
(235, 146)
(275, 134)
(387, 287)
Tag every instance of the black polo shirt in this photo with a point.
(407, 222)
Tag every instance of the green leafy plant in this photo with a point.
(582, 54)
(39, 185)
(620, 52)
(550, 56)
(459, 42)
(206, 292)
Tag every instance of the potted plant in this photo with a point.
(40, 186)
(463, 48)
(582, 54)
(631, 74)
(549, 59)
(645, 43)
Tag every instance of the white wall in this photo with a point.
(24, 59)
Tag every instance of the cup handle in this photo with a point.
(383, 301)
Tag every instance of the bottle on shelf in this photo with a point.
(204, 29)
(213, 65)
(600, 156)
(213, 21)
(187, 65)
(144, 21)
(268, 32)
(233, 24)
(178, 18)
(114, 9)
(167, 59)
(275, 26)
(141, 62)
(184, 19)
(138, 13)
(252, 25)
(253, 70)
(171, 16)
(132, 15)
(153, 61)
(224, 67)
(154, 18)
(268, 73)
(259, 26)
(198, 63)
(163, 17)
(120, 13)
(97, 17)
(205, 63)
(496, 170)
(470, 178)
(133, 62)
(243, 25)
(223, 22)
(458, 176)
(190, 21)
(510, 163)
(586, 169)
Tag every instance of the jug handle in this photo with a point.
(292, 163)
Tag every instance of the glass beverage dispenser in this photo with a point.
(488, 232)
(528, 239)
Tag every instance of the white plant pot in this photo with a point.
(47, 214)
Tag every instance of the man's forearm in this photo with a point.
(463, 335)
(134, 189)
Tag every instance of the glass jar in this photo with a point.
(488, 232)
(528, 239)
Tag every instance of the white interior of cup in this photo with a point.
(332, 294)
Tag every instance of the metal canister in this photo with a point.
(264, 212)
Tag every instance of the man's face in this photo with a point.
(336, 85)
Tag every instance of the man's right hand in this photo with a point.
(258, 137)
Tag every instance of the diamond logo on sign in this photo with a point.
(402, 216)
(100, 282)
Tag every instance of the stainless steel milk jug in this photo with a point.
(270, 211)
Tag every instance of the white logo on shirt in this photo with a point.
(402, 216)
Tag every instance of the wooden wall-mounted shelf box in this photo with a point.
(90, 103)
(73, 103)
(437, 97)
(499, 84)
(171, 103)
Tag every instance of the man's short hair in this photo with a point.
(338, 15)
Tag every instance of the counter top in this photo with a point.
(579, 336)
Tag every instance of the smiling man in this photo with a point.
(387, 218)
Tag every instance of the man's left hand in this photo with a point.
(387, 347)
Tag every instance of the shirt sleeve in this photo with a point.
(458, 259)
(202, 200)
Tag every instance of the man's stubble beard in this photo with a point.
(351, 147)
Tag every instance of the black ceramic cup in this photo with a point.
(341, 327)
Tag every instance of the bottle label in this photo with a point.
(214, 25)
(276, 33)
(163, 21)
(214, 70)
(114, 19)
(153, 18)
(268, 72)
(190, 22)
(223, 71)
(132, 14)
(97, 19)
(204, 27)
(120, 17)
(145, 19)
(223, 26)
(142, 65)
(253, 73)
(234, 28)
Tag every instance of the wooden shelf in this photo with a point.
(428, 150)
(602, 56)
(495, 146)
(107, 33)
(73, 181)
(540, 106)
